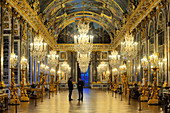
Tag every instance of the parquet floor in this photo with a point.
(95, 101)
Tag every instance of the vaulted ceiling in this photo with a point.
(61, 17)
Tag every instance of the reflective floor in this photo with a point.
(95, 101)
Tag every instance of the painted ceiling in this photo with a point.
(62, 16)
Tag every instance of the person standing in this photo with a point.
(80, 89)
(70, 85)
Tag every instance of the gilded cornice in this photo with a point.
(96, 47)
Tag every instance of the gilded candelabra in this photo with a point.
(13, 90)
(41, 80)
(115, 83)
(124, 83)
(145, 89)
(43, 69)
(154, 98)
(23, 88)
(122, 68)
(52, 84)
(115, 73)
(110, 83)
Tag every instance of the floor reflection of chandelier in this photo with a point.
(38, 48)
(129, 47)
(53, 59)
(114, 59)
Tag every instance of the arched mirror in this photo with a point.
(151, 41)
(161, 48)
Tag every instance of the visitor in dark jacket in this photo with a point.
(70, 85)
(80, 89)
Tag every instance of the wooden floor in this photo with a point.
(95, 101)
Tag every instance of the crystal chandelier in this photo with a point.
(83, 60)
(83, 43)
(122, 68)
(83, 28)
(129, 47)
(144, 62)
(102, 67)
(52, 71)
(114, 59)
(154, 60)
(46, 69)
(38, 48)
(115, 71)
(53, 59)
(64, 66)
(42, 67)
(83, 67)
(13, 60)
(23, 62)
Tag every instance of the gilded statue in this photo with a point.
(36, 6)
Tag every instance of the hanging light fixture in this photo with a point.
(102, 67)
(114, 58)
(154, 60)
(64, 67)
(122, 68)
(38, 48)
(83, 60)
(13, 60)
(52, 71)
(144, 62)
(53, 59)
(23, 62)
(129, 47)
(83, 43)
(115, 71)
